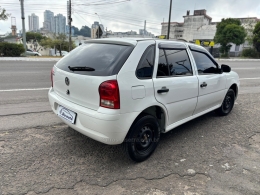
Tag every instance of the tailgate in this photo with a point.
(78, 75)
(83, 89)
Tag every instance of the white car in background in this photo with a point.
(63, 53)
(30, 52)
(129, 91)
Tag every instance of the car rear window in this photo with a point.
(106, 59)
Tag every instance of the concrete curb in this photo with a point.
(28, 59)
(239, 60)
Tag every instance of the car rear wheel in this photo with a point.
(227, 104)
(36, 55)
(142, 138)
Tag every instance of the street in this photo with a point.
(42, 155)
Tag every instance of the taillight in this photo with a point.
(52, 73)
(109, 94)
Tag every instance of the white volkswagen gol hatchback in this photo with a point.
(131, 90)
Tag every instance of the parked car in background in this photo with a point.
(63, 53)
(30, 52)
(129, 91)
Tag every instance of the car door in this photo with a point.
(211, 81)
(175, 84)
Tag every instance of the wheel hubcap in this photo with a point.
(144, 138)
(228, 102)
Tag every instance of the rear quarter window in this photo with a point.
(106, 59)
(146, 64)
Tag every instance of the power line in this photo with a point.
(83, 19)
(109, 15)
(121, 17)
(119, 21)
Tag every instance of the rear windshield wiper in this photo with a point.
(81, 68)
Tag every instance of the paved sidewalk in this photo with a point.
(27, 59)
(238, 60)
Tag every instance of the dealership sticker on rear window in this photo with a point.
(67, 114)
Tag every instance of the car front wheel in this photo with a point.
(142, 138)
(227, 104)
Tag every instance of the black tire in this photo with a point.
(227, 104)
(36, 55)
(142, 138)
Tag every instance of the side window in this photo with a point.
(179, 62)
(163, 69)
(204, 64)
(174, 62)
(145, 67)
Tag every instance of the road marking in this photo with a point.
(35, 89)
(249, 78)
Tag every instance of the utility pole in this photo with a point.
(169, 22)
(70, 20)
(23, 25)
(98, 31)
(99, 26)
(144, 27)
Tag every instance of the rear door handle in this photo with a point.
(204, 84)
(163, 90)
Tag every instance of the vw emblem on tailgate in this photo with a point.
(67, 81)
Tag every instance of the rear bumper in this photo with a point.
(106, 128)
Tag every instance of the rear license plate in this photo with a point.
(67, 114)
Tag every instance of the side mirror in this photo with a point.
(225, 68)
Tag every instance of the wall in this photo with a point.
(191, 25)
(206, 32)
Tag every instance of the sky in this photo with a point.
(127, 15)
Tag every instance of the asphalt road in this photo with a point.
(41, 155)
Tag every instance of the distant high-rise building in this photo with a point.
(33, 22)
(13, 26)
(48, 23)
(60, 24)
(95, 27)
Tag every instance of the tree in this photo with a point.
(48, 42)
(59, 42)
(3, 14)
(229, 31)
(76, 30)
(35, 38)
(85, 31)
(256, 37)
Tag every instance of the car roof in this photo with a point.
(121, 41)
(133, 41)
